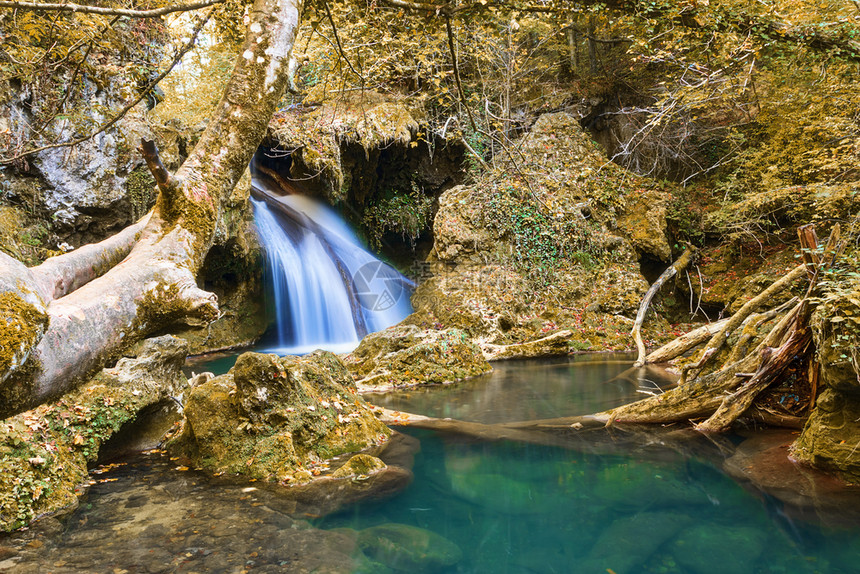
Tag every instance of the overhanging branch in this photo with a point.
(83, 8)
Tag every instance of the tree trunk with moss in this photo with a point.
(69, 316)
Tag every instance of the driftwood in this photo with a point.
(716, 344)
(679, 265)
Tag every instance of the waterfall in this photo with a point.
(328, 290)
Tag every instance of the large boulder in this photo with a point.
(517, 259)
(275, 418)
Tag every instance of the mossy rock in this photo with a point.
(831, 434)
(360, 464)
(406, 548)
(408, 355)
(320, 136)
(457, 231)
(270, 417)
(644, 223)
(44, 453)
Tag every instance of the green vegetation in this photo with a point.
(540, 241)
(406, 214)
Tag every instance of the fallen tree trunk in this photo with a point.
(155, 283)
(677, 347)
(716, 343)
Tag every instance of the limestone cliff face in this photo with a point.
(89, 191)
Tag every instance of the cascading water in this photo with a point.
(328, 290)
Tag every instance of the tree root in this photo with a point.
(679, 265)
(729, 392)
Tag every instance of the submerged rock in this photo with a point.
(762, 464)
(44, 452)
(497, 493)
(273, 417)
(718, 549)
(406, 548)
(328, 494)
(636, 486)
(627, 544)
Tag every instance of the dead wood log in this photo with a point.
(728, 393)
(749, 329)
(679, 265)
(774, 363)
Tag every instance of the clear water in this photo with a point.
(327, 290)
(611, 502)
(531, 390)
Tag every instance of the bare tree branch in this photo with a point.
(457, 73)
(83, 8)
(149, 151)
(339, 46)
(188, 45)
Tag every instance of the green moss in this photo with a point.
(405, 355)
(197, 215)
(358, 465)
(44, 453)
(406, 214)
(21, 328)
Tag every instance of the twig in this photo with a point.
(83, 8)
(457, 73)
(126, 109)
(339, 45)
